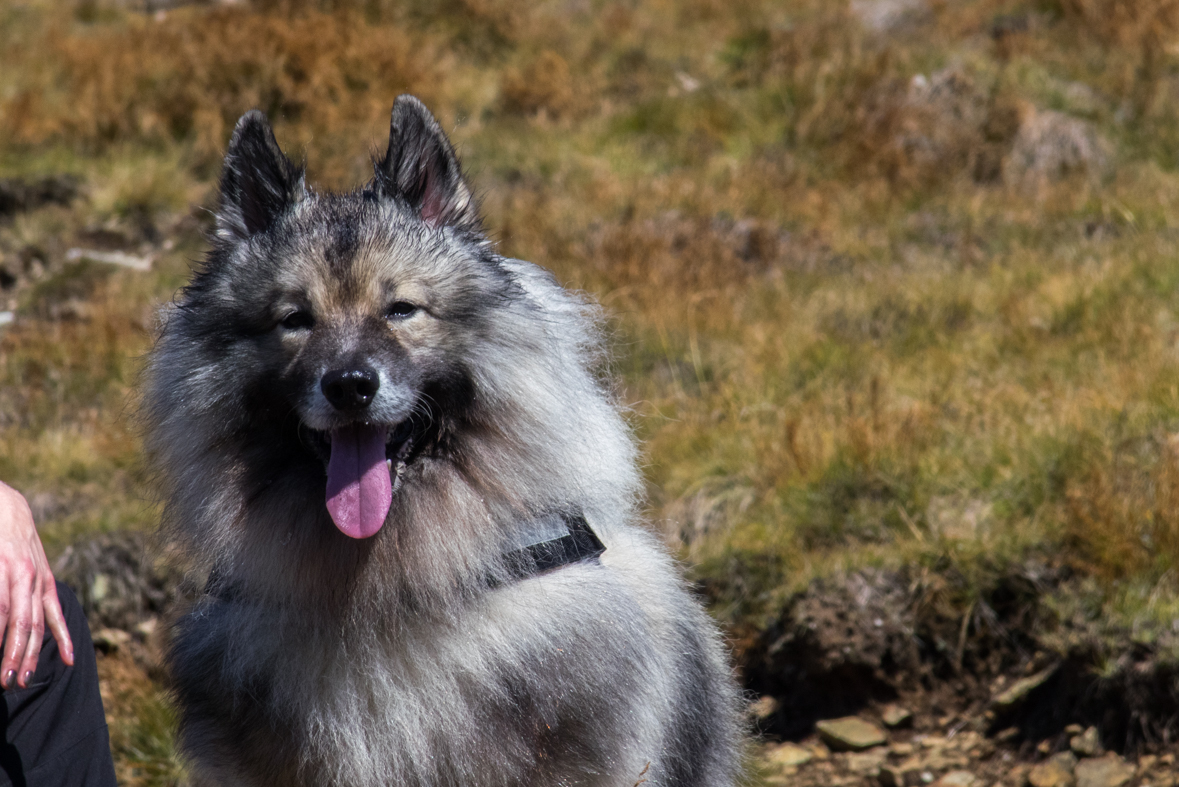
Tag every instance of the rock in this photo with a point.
(974, 744)
(1146, 762)
(1108, 771)
(850, 733)
(1074, 729)
(110, 640)
(901, 749)
(761, 709)
(788, 755)
(891, 776)
(943, 760)
(984, 750)
(1019, 691)
(896, 716)
(147, 628)
(902, 775)
(867, 762)
(930, 741)
(884, 15)
(100, 587)
(965, 740)
(1056, 771)
(1017, 776)
(1087, 744)
(1051, 145)
(120, 258)
(957, 779)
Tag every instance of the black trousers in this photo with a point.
(54, 730)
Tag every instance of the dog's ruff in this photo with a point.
(361, 415)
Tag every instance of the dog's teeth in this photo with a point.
(389, 464)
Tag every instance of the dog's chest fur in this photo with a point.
(381, 703)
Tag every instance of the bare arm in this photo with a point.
(28, 595)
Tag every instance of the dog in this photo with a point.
(395, 454)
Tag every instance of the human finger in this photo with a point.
(5, 609)
(28, 665)
(20, 622)
(55, 621)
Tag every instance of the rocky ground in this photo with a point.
(874, 679)
(890, 747)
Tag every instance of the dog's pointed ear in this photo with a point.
(421, 168)
(258, 182)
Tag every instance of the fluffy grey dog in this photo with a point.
(389, 446)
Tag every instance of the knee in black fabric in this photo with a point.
(55, 729)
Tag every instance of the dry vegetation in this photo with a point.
(888, 287)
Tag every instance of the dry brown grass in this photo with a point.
(1123, 512)
(326, 78)
(544, 84)
(1142, 29)
(141, 721)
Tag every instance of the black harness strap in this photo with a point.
(579, 544)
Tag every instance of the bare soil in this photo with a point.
(990, 687)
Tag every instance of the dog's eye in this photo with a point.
(400, 310)
(297, 320)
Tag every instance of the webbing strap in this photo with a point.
(579, 544)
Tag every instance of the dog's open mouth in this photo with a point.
(364, 467)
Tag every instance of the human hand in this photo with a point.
(28, 594)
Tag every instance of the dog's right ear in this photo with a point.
(258, 183)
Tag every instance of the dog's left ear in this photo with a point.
(421, 168)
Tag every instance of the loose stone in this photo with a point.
(1087, 744)
(1057, 771)
(895, 716)
(850, 733)
(1108, 771)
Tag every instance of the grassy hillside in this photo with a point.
(891, 284)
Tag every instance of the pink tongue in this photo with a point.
(359, 491)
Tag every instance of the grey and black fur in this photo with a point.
(413, 657)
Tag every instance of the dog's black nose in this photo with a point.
(350, 389)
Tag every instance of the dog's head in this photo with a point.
(348, 313)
